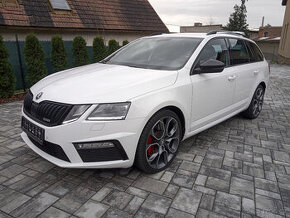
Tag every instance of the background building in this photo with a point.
(284, 48)
(199, 28)
(268, 40)
(112, 19)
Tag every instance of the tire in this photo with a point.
(159, 142)
(256, 105)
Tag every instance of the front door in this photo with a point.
(212, 92)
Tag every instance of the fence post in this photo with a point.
(20, 63)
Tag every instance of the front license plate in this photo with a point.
(32, 130)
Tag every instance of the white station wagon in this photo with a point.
(137, 105)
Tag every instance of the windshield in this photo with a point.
(164, 53)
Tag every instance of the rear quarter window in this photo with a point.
(255, 53)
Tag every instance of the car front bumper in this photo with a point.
(126, 132)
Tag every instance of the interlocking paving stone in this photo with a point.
(118, 199)
(35, 206)
(134, 205)
(151, 185)
(239, 168)
(269, 204)
(147, 213)
(157, 203)
(242, 187)
(91, 209)
(172, 213)
(187, 200)
(74, 199)
(184, 180)
(53, 212)
(101, 194)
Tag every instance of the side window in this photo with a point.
(215, 49)
(255, 54)
(238, 52)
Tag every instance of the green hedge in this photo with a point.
(7, 78)
(50, 66)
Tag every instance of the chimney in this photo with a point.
(263, 20)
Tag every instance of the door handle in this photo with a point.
(256, 72)
(232, 78)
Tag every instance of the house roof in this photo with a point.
(284, 2)
(271, 33)
(120, 15)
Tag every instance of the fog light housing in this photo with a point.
(94, 145)
(101, 151)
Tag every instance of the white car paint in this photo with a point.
(203, 99)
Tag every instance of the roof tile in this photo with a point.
(129, 15)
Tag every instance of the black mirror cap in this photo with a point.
(212, 66)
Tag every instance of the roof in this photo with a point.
(120, 15)
(284, 2)
(269, 33)
(202, 35)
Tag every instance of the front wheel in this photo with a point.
(159, 142)
(256, 105)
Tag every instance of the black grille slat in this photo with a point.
(46, 112)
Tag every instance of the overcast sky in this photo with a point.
(186, 12)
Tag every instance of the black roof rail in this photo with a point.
(227, 32)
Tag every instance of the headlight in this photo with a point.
(115, 111)
(76, 112)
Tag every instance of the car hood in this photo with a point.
(101, 83)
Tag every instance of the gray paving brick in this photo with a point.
(101, 194)
(172, 213)
(266, 185)
(269, 204)
(118, 199)
(53, 212)
(91, 209)
(74, 199)
(187, 200)
(248, 205)
(157, 203)
(35, 206)
(182, 180)
(150, 185)
(134, 205)
(242, 187)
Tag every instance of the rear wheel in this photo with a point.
(159, 142)
(256, 105)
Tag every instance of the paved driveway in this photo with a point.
(238, 168)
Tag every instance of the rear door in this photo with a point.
(244, 71)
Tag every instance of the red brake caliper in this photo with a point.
(150, 150)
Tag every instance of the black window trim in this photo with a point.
(226, 38)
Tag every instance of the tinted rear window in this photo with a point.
(238, 52)
(255, 53)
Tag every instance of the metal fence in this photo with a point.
(17, 59)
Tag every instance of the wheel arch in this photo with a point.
(179, 113)
(263, 84)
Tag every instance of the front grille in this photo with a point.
(51, 149)
(46, 112)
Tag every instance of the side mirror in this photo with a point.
(212, 66)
